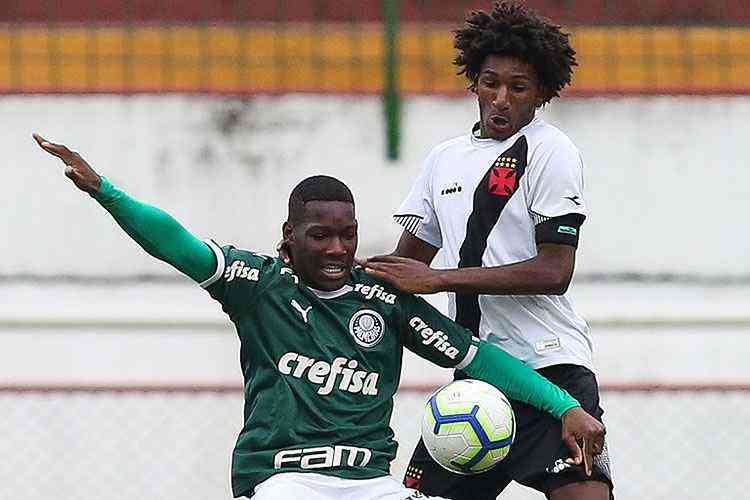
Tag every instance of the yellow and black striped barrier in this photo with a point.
(346, 58)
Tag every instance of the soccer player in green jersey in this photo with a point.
(321, 345)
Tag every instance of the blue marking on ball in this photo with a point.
(471, 418)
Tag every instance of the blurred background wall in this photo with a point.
(120, 378)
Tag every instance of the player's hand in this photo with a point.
(76, 168)
(584, 437)
(408, 275)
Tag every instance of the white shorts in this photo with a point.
(311, 486)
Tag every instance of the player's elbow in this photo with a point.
(561, 286)
(555, 266)
(555, 281)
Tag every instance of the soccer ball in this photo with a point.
(468, 426)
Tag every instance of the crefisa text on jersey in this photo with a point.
(376, 291)
(437, 338)
(240, 269)
(320, 372)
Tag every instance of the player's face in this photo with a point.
(323, 243)
(508, 93)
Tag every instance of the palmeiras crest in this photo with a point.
(367, 327)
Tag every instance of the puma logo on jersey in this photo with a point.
(239, 269)
(323, 457)
(375, 291)
(342, 373)
(299, 309)
(436, 338)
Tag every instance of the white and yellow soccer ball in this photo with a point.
(468, 426)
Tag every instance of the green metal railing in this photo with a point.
(391, 98)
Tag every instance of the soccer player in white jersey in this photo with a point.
(321, 345)
(505, 204)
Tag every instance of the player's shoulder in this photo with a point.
(372, 288)
(455, 144)
(544, 136)
(232, 252)
(237, 268)
(247, 263)
(460, 141)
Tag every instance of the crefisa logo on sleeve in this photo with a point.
(367, 327)
(240, 269)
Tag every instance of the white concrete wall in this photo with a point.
(175, 333)
(667, 187)
(666, 179)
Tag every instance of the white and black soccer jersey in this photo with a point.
(488, 203)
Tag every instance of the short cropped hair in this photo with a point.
(511, 29)
(316, 188)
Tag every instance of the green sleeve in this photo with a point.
(158, 233)
(493, 365)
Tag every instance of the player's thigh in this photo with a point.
(290, 485)
(427, 476)
(537, 457)
(296, 486)
(387, 488)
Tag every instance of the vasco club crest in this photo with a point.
(367, 327)
(502, 180)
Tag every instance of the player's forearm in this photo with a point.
(493, 365)
(157, 233)
(530, 277)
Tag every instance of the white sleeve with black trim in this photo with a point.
(555, 180)
(416, 214)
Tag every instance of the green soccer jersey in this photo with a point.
(321, 368)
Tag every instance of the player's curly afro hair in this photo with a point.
(513, 30)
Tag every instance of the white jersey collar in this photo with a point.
(332, 294)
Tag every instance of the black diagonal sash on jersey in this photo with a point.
(492, 194)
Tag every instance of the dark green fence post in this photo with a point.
(391, 98)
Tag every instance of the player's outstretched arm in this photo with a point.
(582, 433)
(436, 338)
(154, 230)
